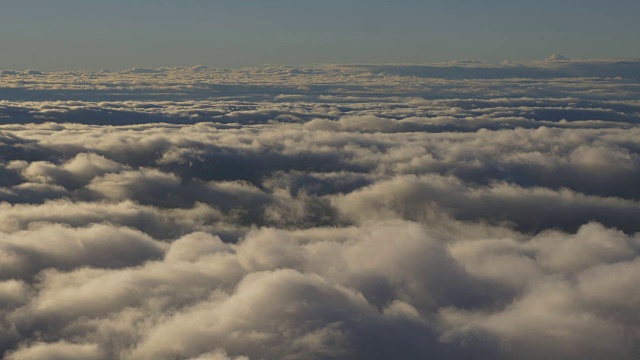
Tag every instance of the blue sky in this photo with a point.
(116, 34)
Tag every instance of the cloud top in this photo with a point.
(448, 211)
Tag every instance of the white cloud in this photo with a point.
(447, 211)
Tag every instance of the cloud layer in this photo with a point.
(350, 212)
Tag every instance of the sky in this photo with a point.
(118, 34)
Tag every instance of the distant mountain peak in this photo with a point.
(557, 57)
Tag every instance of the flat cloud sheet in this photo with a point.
(449, 211)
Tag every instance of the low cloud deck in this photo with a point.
(354, 212)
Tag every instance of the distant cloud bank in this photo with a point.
(446, 211)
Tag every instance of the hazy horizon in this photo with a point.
(451, 62)
(73, 34)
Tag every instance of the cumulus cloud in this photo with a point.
(42, 246)
(451, 211)
(61, 350)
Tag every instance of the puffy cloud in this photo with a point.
(74, 173)
(460, 210)
(281, 312)
(417, 198)
(325, 291)
(25, 253)
(61, 350)
(159, 223)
